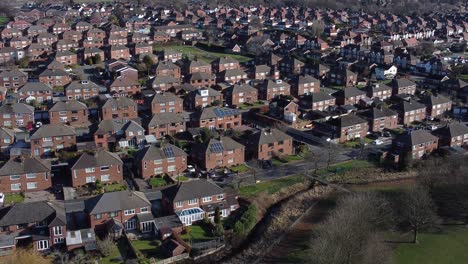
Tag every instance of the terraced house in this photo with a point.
(165, 159)
(104, 166)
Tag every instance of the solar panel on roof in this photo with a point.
(169, 152)
(217, 147)
(224, 112)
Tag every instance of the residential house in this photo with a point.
(349, 96)
(167, 159)
(268, 143)
(35, 91)
(221, 153)
(203, 97)
(219, 118)
(54, 77)
(452, 135)
(166, 102)
(81, 90)
(7, 138)
(52, 138)
(270, 89)
(25, 175)
(348, 127)
(416, 143)
(121, 133)
(124, 86)
(16, 115)
(437, 105)
(304, 85)
(379, 90)
(380, 118)
(225, 63)
(119, 108)
(73, 113)
(284, 109)
(410, 111)
(342, 77)
(12, 79)
(403, 86)
(104, 166)
(240, 94)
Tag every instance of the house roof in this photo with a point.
(6, 133)
(416, 137)
(119, 102)
(307, 79)
(157, 153)
(349, 92)
(68, 106)
(402, 82)
(53, 130)
(16, 108)
(214, 112)
(81, 85)
(245, 88)
(165, 118)
(452, 130)
(406, 106)
(115, 125)
(27, 165)
(376, 113)
(116, 201)
(346, 121)
(34, 87)
(435, 100)
(23, 213)
(191, 189)
(267, 136)
(164, 98)
(320, 97)
(100, 158)
(217, 146)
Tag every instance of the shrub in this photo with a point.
(106, 246)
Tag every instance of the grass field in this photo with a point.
(270, 187)
(14, 198)
(239, 168)
(347, 165)
(4, 20)
(148, 249)
(197, 234)
(448, 247)
(114, 187)
(158, 181)
(204, 55)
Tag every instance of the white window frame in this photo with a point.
(42, 244)
(129, 212)
(193, 201)
(207, 199)
(57, 230)
(179, 204)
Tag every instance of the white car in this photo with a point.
(190, 169)
(432, 127)
(377, 142)
(2, 198)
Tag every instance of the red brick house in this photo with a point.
(221, 153)
(403, 86)
(202, 98)
(348, 127)
(166, 102)
(35, 91)
(66, 57)
(232, 76)
(219, 118)
(417, 143)
(270, 89)
(52, 138)
(380, 119)
(167, 159)
(167, 68)
(168, 123)
(452, 135)
(12, 79)
(268, 143)
(437, 105)
(320, 101)
(240, 94)
(54, 77)
(73, 113)
(202, 79)
(119, 108)
(198, 66)
(192, 201)
(104, 166)
(25, 175)
(83, 89)
(119, 52)
(349, 96)
(410, 111)
(304, 85)
(379, 90)
(225, 63)
(16, 115)
(124, 86)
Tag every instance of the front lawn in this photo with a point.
(205, 55)
(148, 249)
(241, 168)
(356, 142)
(345, 166)
(157, 182)
(277, 161)
(448, 247)
(114, 257)
(270, 187)
(14, 198)
(114, 187)
(197, 233)
(181, 178)
(249, 106)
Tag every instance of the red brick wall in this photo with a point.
(43, 180)
(109, 114)
(81, 117)
(145, 173)
(262, 150)
(115, 172)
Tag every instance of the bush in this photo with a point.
(248, 221)
(106, 246)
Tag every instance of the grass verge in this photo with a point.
(14, 198)
(270, 187)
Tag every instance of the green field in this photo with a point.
(197, 234)
(204, 55)
(270, 187)
(448, 247)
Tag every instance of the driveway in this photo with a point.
(38, 196)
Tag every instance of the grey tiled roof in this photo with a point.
(267, 136)
(164, 98)
(416, 137)
(16, 108)
(53, 130)
(100, 158)
(349, 92)
(346, 121)
(435, 100)
(156, 153)
(452, 130)
(115, 125)
(24, 213)
(27, 165)
(376, 113)
(191, 189)
(119, 102)
(35, 86)
(165, 118)
(116, 201)
(68, 106)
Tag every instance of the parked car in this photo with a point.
(2, 198)
(377, 142)
(190, 169)
(431, 127)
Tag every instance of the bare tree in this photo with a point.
(418, 210)
(348, 232)
(332, 154)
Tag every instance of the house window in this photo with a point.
(97, 216)
(104, 168)
(16, 186)
(89, 170)
(171, 160)
(47, 139)
(171, 168)
(206, 199)
(178, 204)
(58, 240)
(42, 244)
(105, 177)
(31, 175)
(144, 209)
(131, 224)
(158, 161)
(129, 212)
(15, 177)
(193, 201)
(113, 214)
(57, 230)
(90, 179)
(220, 196)
(32, 185)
